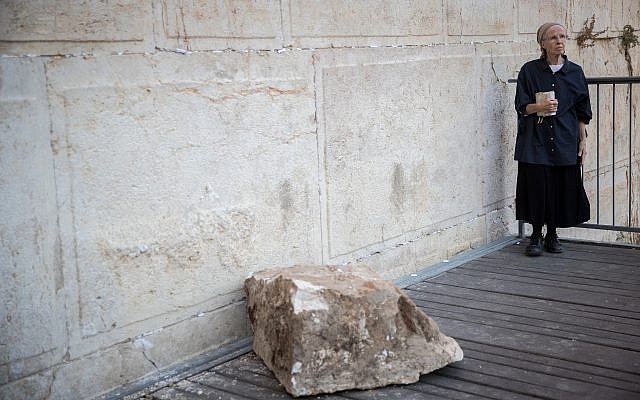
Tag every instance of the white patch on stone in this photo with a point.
(382, 357)
(306, 298)
(297, 367)
(362, 328)
(458, 355)
(142, 343)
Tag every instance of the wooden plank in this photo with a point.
(484, 373)
(444, 392)
(186, 390)
(603, 248)
(536, 325)
(250, 362)
(393, 392)
(553, 367)
(264, 384)
(617, 256)
(543, 329)
(238, 387)
(514, 338)
(475, 270)
(588, 268)
(627, 330)
(170, 393)
(248, 369)
(629, 305)
(562, 309)
(436, 379)
(399, 392)
(605, 282)
(529, 381)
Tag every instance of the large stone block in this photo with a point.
(398, 138)
(323, 329)
(498, 124)
(584, 10)
(480, 17)
(220, 24)
(179, 176)
(608, 15)
(625, 13)
(321, 23)
(32, 287)
(532, 14)
(73, 26)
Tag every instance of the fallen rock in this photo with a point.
(322, 329)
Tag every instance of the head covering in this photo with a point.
(545, 27)
(542, 31)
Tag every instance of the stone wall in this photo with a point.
(154, 153)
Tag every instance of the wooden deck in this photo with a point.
(563, 326)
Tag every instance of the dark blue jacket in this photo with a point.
(551, 140)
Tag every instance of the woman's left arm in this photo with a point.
(582, 146)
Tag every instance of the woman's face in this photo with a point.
(554, 41)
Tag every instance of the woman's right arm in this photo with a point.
(547, 106)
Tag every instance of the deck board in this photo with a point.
(561, 326)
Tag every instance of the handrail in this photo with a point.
(603, 79)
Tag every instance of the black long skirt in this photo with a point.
(551, 195)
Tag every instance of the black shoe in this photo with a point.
(534, 249)
(552, 244)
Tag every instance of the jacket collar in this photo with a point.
(544, 65)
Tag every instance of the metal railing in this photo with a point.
(632, 139)
(610, 128)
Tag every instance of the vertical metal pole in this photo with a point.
(630, 164)
(613, 161)
(520, 229)
(598, 153)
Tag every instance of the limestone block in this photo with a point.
(32, 328)
(398, 138)
(107, 370)
(498, 124)
(88, 377)
(624, 13)
(583, 10)
(195, 335)
(321, 23)
(36, 386)
(181, 174)
(426, 248)
(323, 329)
(220, 24)
(480, 17)
(73, 26)
(532, 14)
(609, 16)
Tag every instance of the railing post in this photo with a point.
(520, 229)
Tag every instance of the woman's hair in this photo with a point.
(542, 30)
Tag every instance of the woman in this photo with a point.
(552, 101)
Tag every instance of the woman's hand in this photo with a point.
(582, 144)
(549, 106)
(582, 151)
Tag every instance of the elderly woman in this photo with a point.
(552, 102)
